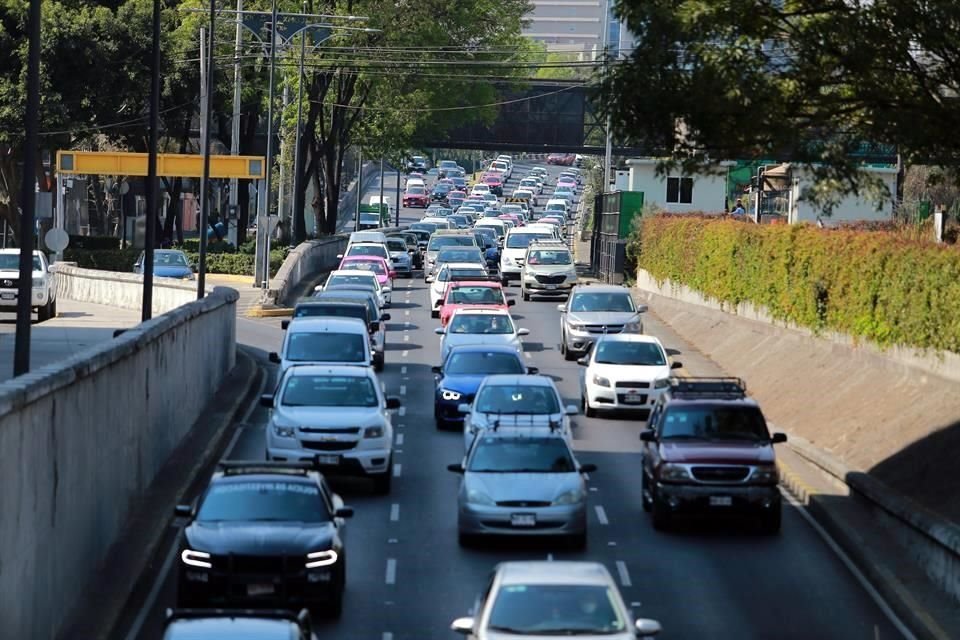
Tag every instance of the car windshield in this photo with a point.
(460, 255)
(439, 242)
(170, 259)
(396, 245)
(556, 609)
(596, 301)
(11, 262)
(549, 257)
(361, 279)
(645, 354)
(523, 240)
(370, 218)
(490, 324)
(424, 226)
(521, 455)
(263, 500)
(325, 346)
(329, 391)
(459, 220)
(368, 250)
(460, 273)
(518, 398)
(373, 267)
(556, 206)
(483, 363)
(336, 310)
(416, 191)
(714, 423)
(475, 295)
(441, 188)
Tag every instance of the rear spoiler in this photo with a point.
(473, 279)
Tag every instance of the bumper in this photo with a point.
(719, 499)
(8, 298)
(546, 521)
(358, 462)
(579, 342)
(401, 267)
(446, 411)
(510, 272)
(619, 398)
(562, 288)
(223, 588)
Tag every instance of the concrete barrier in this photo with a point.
(116, 289)
(83, 439)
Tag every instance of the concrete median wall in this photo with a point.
(124, 290)
(83, 439)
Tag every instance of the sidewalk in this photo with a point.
(249, 295)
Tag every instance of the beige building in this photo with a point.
(575, 25)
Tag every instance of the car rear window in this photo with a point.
(517, 399)
(480, 363)
(521, 455)
(330, 310)
(325, 346)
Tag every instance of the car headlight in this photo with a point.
(633, 327)
(373, 432)
(600, 381)
(507, 260)
(317, 559)
(674, 473)
(447, 394)
(478, 497)
(284, 432)
(661, 383)
(569, 497)
(765, 475)
(196, 558)
(574, 326)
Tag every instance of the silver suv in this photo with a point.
(593, 310)
(548, 269)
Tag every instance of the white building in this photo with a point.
(576, 25)
(791, 181)
(678, 193)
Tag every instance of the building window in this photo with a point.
(679, 190)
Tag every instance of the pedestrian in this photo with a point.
(738, 209)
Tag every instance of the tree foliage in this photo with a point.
(807, 80)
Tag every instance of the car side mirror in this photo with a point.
(266, 400)
(284, 324)
(642, 308)
(463, 407)
(393, 274)
(439, 331)
(511, 303)
(644, 627)
(533, 370)
(571, 410)
(584, 361)
(455, 468)
(274, 357)
(462, 626)
(429, 279)
(375, 325)
(343, 512)
(384, 317)
(676, 365)
(523, 332)
(648, 435)
(393, 402)
(588, 468)
(562, 308)
(387, 290)
(778, 438)
(183, 510)
(339, 256)
(438, 303)
(437, 369)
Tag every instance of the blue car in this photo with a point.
(168, 263)
(459, 377)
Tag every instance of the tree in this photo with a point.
(813, 81)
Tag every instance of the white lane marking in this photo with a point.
(407, 312)
(594, 489)
(402, 411)
(406, 337)
(405, 354)
(611, 544)
(233, 443)
(387, 636)
(403, 370)
(399, 439)
(526, 354)
(624, 574)
(403, 389)
(848, 563)
(148, 604)
(397, 468)
(391, 577)
(394, 512)
(549, 557)
(383, 387)
(601, 515)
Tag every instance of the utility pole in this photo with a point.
(28, 198)
(298, 232)
(608, 151)
(207, 125)
(381, 193)
(264, 228)
(398, 195)
(281, 188)
(356, 221)
(233, 218)
(153, 199)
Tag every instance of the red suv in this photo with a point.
(495, 182)
(416, 197)
(706, 450)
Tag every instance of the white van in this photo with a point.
(367, 236)
(515, 247)
(557, 204)
(496, 224)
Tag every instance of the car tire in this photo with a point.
(382, 482)
(770, 523)
(567, 353)
(578, 541)
(588, 411)
(53, 308)
(43, 313)
(466, 540)
(524, 294)
(334, 608)
(378, 362)
(644, 498)
(661, 514)
(434, 313)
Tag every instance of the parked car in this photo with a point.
(43, 292)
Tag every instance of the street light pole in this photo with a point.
(356, 222)
(381, 193)
(28, 198)
(398, 195)
(233, 219)
(608, 151)
(269, 168)
(205, 182)
(298, 232)
(149, 236)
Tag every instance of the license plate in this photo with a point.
(328, 459)
(523, 520)
(632, 399)
(260, 589)
(8, 296)
(721, 501)
(551, 286)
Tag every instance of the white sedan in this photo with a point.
(624, 371)
(479, 326)
(353, 279)
(448, 272)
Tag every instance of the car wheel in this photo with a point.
(524, 294)
(588, 411)
(378, 362)
(434, 313)
(334, 608)
(661, 514)
(53, 309)
(578, 541)
(383, 481)
(466, 539)
(567, 353)
(644, 495)
(770, 523)
(43, 313)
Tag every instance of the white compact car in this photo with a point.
(325, 340)
(447, 273)
(624, 371)
(353, 278)
(336, 416)
(43, 293)
(479, 326)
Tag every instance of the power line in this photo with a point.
(462, 108)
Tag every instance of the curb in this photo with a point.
(230, 277)
(262, 312)
(102, 609)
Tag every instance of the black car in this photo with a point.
(237, 624)
(440, 192)
(264, 534)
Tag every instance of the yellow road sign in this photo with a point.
(122, 163)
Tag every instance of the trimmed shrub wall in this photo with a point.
(868, 284)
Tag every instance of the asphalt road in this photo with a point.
(408, 578)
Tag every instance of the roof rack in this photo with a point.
(708, 387)
(241, 467)
(278, 614)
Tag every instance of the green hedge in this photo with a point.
(240, 264)
(94, 242)
(105, 259)
(123, 259)
(874, 285)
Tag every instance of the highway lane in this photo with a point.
(408, 578)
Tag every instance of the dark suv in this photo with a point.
(707, 451)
